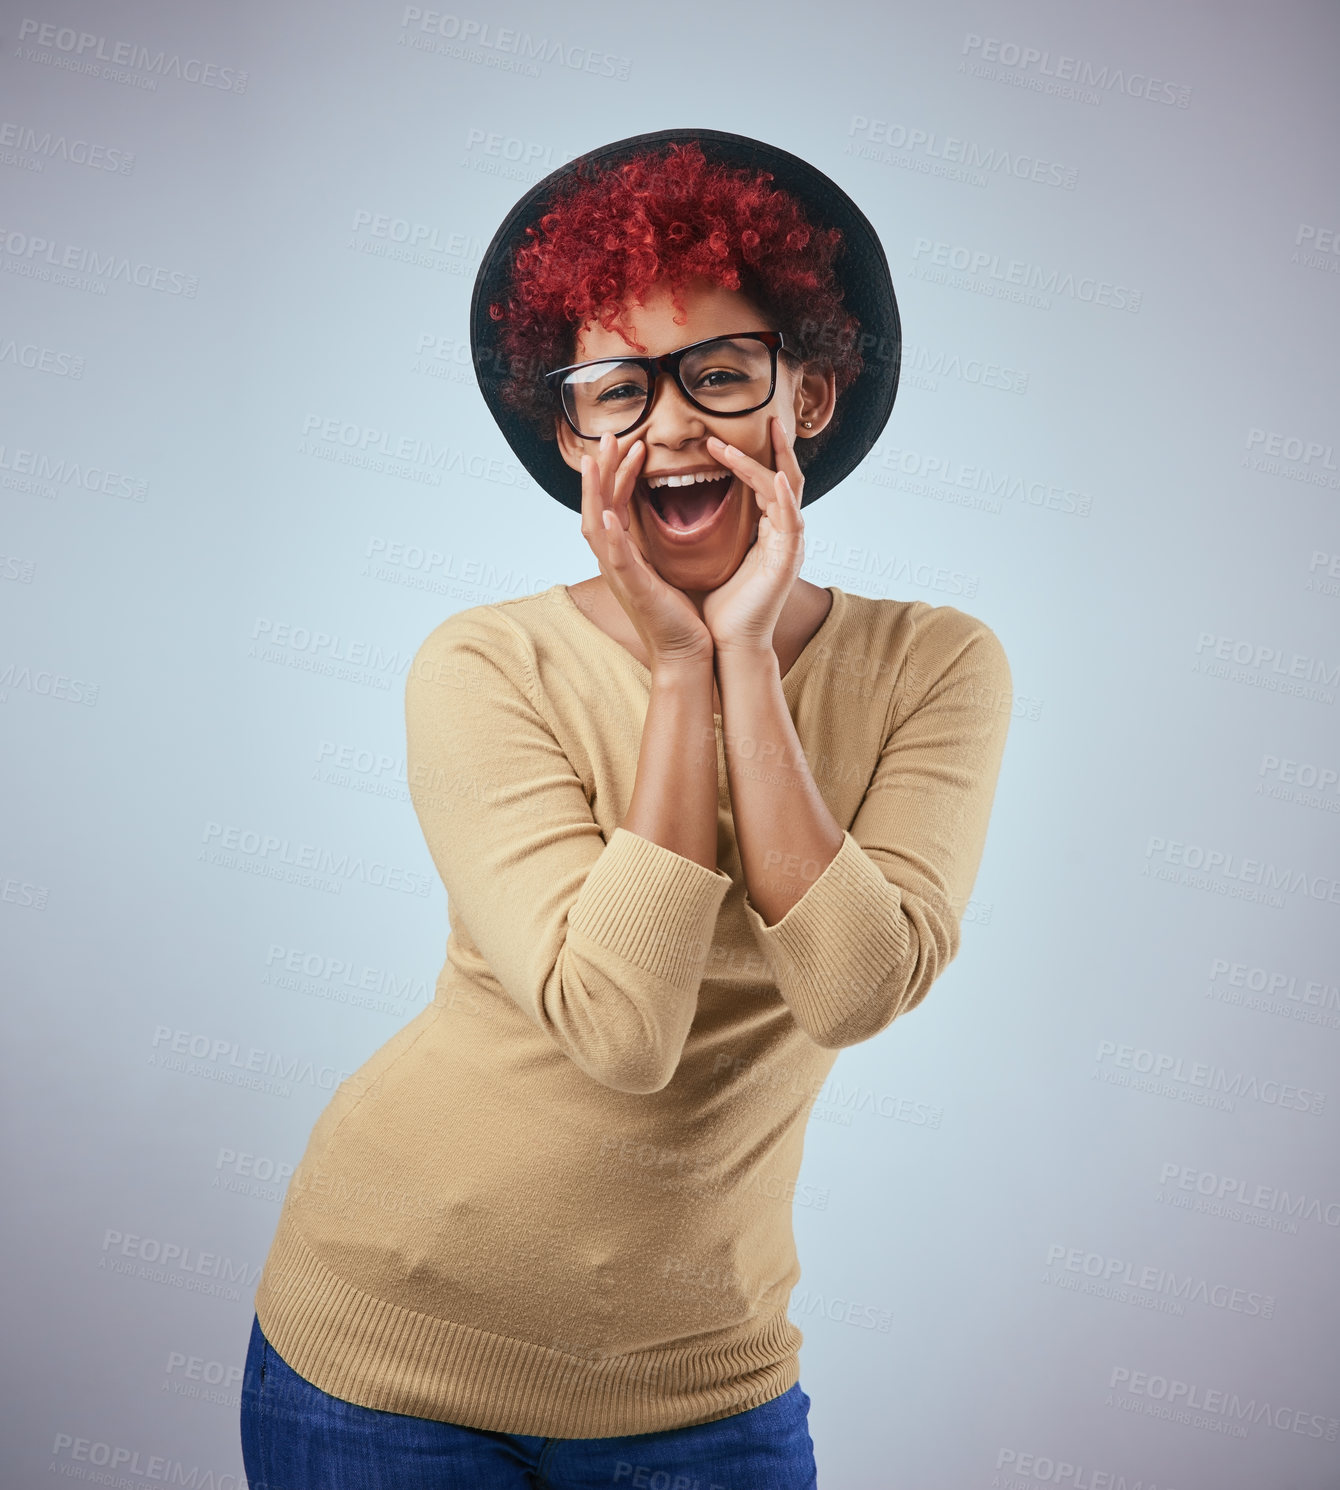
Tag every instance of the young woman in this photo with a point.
(701, 824)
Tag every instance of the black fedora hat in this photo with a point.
(861, 268)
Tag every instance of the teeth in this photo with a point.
(686, 480)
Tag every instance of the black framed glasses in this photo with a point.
(724, 375)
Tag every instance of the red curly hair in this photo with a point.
(669, 215)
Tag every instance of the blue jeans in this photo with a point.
(297, 1437)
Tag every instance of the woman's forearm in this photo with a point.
(674, 801)
(786, 835)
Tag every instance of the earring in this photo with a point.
(806, 423)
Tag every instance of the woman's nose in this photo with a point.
(671, 418)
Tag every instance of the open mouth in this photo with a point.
(687, 511)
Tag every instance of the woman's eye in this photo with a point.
(621, 392)
(719, 378)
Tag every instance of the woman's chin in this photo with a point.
(700, 572)
(703, 567)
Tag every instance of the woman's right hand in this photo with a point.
(670, 625)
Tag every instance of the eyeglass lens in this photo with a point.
(724, 376)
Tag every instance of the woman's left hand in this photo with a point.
(742, 613)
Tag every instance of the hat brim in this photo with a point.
(862, 270)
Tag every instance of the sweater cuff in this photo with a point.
(839, 943)
(651, 906)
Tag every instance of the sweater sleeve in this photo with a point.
(881, 922)
(603, 945)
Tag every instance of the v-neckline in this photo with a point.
(804, 659)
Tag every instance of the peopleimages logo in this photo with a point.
(982, 161)
(805, 1305)
(271, 856)
(1317, 248)
(1320, 783)
(1283, 667)
(285, 964)
(30, 140)
(22, 892)
(178, 1257)
(935, 365)
(1208, 868)
(1118, 1274)
(1270, 1200)
(987, 271)
(1291, 447)
(1037, 63)
(84, 51)
(47, 684)
(1291, 456)
(219, 1059)
(250, 1174)
(70, 1452)
(1223, 1403)
(1201, 1082)
(497, 154)
(504, 47)
(36, 257)
(1275, 985)
(945, 470)
(48, 472)
(41, 359)
(1021, 1467)
(426, 236)
(422, 460)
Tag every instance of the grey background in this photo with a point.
(210, 591)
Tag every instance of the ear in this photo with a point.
(569, 446)
(815, 399)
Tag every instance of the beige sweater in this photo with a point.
(559, 1200)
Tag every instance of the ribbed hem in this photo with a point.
(838, 944)
(651, 906)
(379, 1355)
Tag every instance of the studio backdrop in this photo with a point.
(1076, 1220)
